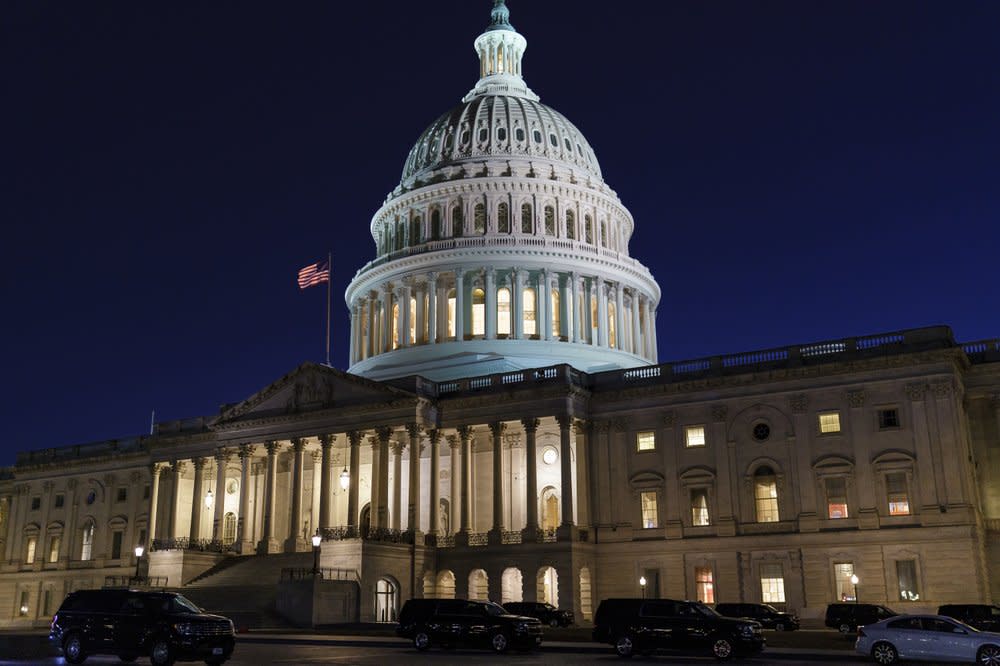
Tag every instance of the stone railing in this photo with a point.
(326, 573)
(982, 351)
(382, 534)
(992, 524)
(202, 545)
(445, 541)
(546, 536)
(512, 536)
(135, 581)
(478, 538)
(551, 374)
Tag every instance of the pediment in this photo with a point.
(312, 387)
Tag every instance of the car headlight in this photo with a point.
(184, 628)
(521, 627)
(746, 630)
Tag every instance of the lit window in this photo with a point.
(842, 572)
(413, 320)
(906, 575)
(22, 610)
(451, 314)
(899, 499)
(645, 441)
(556, 320)
(503, 311)
(229, 528)
(699, 508)
(829, 422)
(836, 497)
(478, 312)
(888, 419)
(528, 324)
(54, 544)
(29, 556)
(648, 510)
(705, 584)
(772, 583)
(87, 542)
(694, 436)
(395, 325)
(611, 325)
(765, 488)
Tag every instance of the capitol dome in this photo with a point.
(502, 247)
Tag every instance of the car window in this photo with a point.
(494, 609)
(702, 609)
(658, 609)
(939, 625)
(134, 604)
(451, 607)
(906, 623)
(994, 611)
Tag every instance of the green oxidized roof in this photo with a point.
(500, 17)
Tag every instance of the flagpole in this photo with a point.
(329, 281)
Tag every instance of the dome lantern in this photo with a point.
(500, 49)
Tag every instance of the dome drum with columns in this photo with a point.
(502, 247)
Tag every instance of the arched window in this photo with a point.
(415, 235)
(479, 219)
(400, 235)
(413, 321)
(395, 325)
(556, 319)
(457, 221)
(503, 218)
(570, 225)
(385, 600)
(478, 312)
(503, 311)
(765, 490)
(527, 225)
(550, 221)
(451, 313)
(588, 229)
(604, 233)
(87, 541)
(30, 546)
(55, 542)
(435, 224)
(612, 332)
(229, 528)
(528, 298)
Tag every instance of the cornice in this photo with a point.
(279, 419)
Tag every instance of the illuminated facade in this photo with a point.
(505, 431)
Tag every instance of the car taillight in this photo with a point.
(861, 632)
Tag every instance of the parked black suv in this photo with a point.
(451, 622)
(130, 623)
(645, 625)
(847, 617)
(768, 616)
(546, 613)
(981, 616)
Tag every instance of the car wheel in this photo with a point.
(988, 655)
(161, 653)
(554, 622)
(845, 629)
(624, 646)
(884, 653)
(722, 648)
(421, 640)
(500, 642)
(73, 649)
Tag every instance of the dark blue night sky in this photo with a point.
(798, 171)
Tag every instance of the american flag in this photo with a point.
(314, 274)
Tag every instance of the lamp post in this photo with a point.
(854, 582)
(642, 584)
(317, 539)
(138, 556)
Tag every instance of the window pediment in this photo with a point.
(646, 479)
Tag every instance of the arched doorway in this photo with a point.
(386, 592)
(550, 508)
(548, 586)
(586, 604)
(366, 518)
(511, 585)
(229, 528)
(479, 586)
(445, 585)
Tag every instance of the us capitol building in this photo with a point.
(505, 431)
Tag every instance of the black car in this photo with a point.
(646, 625)
(452, 622)
(847, 617)
(164, 626)
(768, 616)
(984, 617)
(546, 613)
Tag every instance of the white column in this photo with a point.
(602, 313)
(353, 353)
(404, 315)
(387, 322)
(619, 316)
(317, 492)
(295, 539)
(459, 305)
(566, 470)
(325, 495)
(154, 494)
(352, 490)
(413, 495)
(397, 485)
(518, 298)
(454, 513)
(178, 472)
(636, 337)
(421, 322)
(196, 507)
(465, 492)
(433, 510)
(497, 429)
(491, 303)
(221, 458)
(647, 347)
(574, 308)
(432, 308)
(545, 303)
(270, 540)
(245, 521)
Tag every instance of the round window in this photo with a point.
(761, 432)
(91, 497)
(550, 456)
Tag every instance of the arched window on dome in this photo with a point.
(612, 332)
(550, 221)
(556, 314)
(604, 233)
(528, 322)
(536, 135)
(503, 218)
(395, 325)
(413, 321)
(478, 312)
(527, 221)
(503, 311)
(479, 219)
(435, 224)
(415, 232)
(588, 229)
(570, 225)
(451, 313)
(519, 134)
(400, 235)
(457, 221)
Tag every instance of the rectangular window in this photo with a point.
(54, 544)
(47, 601)
(22, 609)
(906, 574)
(694, 436)
(116, 544)
(772, 583)
(645, 441)
(649, 519)
(705, 584)
(836, 497)
(899, 500)
(888, 419)
(528, 322)
(699, 507)
(36, 503)
(842, 572)
(829, 422)
(122, 494)
(60, 501)
(766, 498)
(29, 556)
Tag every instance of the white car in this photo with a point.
(927, 638)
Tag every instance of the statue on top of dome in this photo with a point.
(500, 16)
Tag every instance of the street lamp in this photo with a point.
(138, 556)
(209, 499)
(317, 539)
(854, 582)
(345, 479)
(642, 584)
